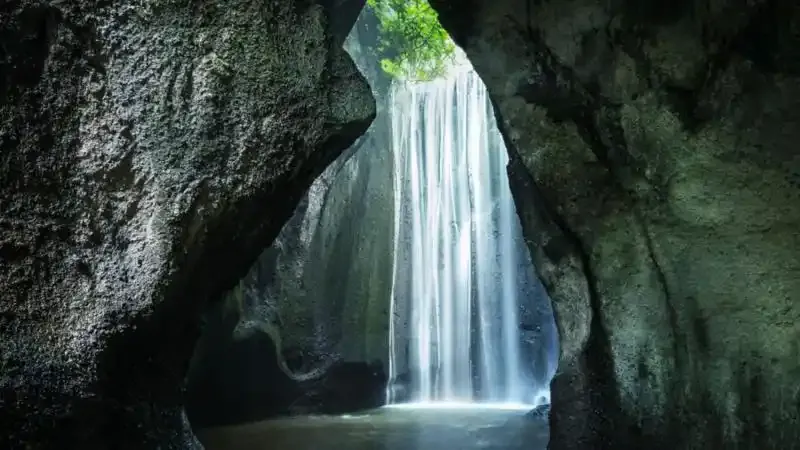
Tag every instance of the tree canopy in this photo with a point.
(413, 45)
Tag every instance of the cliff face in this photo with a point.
(655, 166)
(149, 152)
(326, 280)
(328, 277)
(304, 331)
(315, 302)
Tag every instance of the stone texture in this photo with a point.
(149, 151)
(326, 283)
(326, 280)
(237, 375)
(656, 170)
(319, 293)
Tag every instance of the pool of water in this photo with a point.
(388, 429)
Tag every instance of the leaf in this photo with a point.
(413, 42)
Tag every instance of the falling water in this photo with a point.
(454, 332)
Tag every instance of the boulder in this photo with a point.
(150, 151)
(540, 412)
(345, 387)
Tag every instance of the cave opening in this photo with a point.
(399, 306)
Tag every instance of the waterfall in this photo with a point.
(454, 320)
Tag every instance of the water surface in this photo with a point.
(388, 429)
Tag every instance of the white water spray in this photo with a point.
(454, 329)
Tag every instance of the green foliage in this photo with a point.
(413, 44)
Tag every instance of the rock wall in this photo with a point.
(657, 175)
(327, 278)
(239, 372)
(316, 300)
(330, 284)
(149, 150)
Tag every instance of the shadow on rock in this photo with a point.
(344, 387)
(240, 378)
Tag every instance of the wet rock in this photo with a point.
(245, 384)
(325, 281)
(347, 386)
(322, 285)
(150, 151)
(655, 169)
(237, 376)
(540, 412)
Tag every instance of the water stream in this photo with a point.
(458, 248)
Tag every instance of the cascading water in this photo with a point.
(454, 328)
